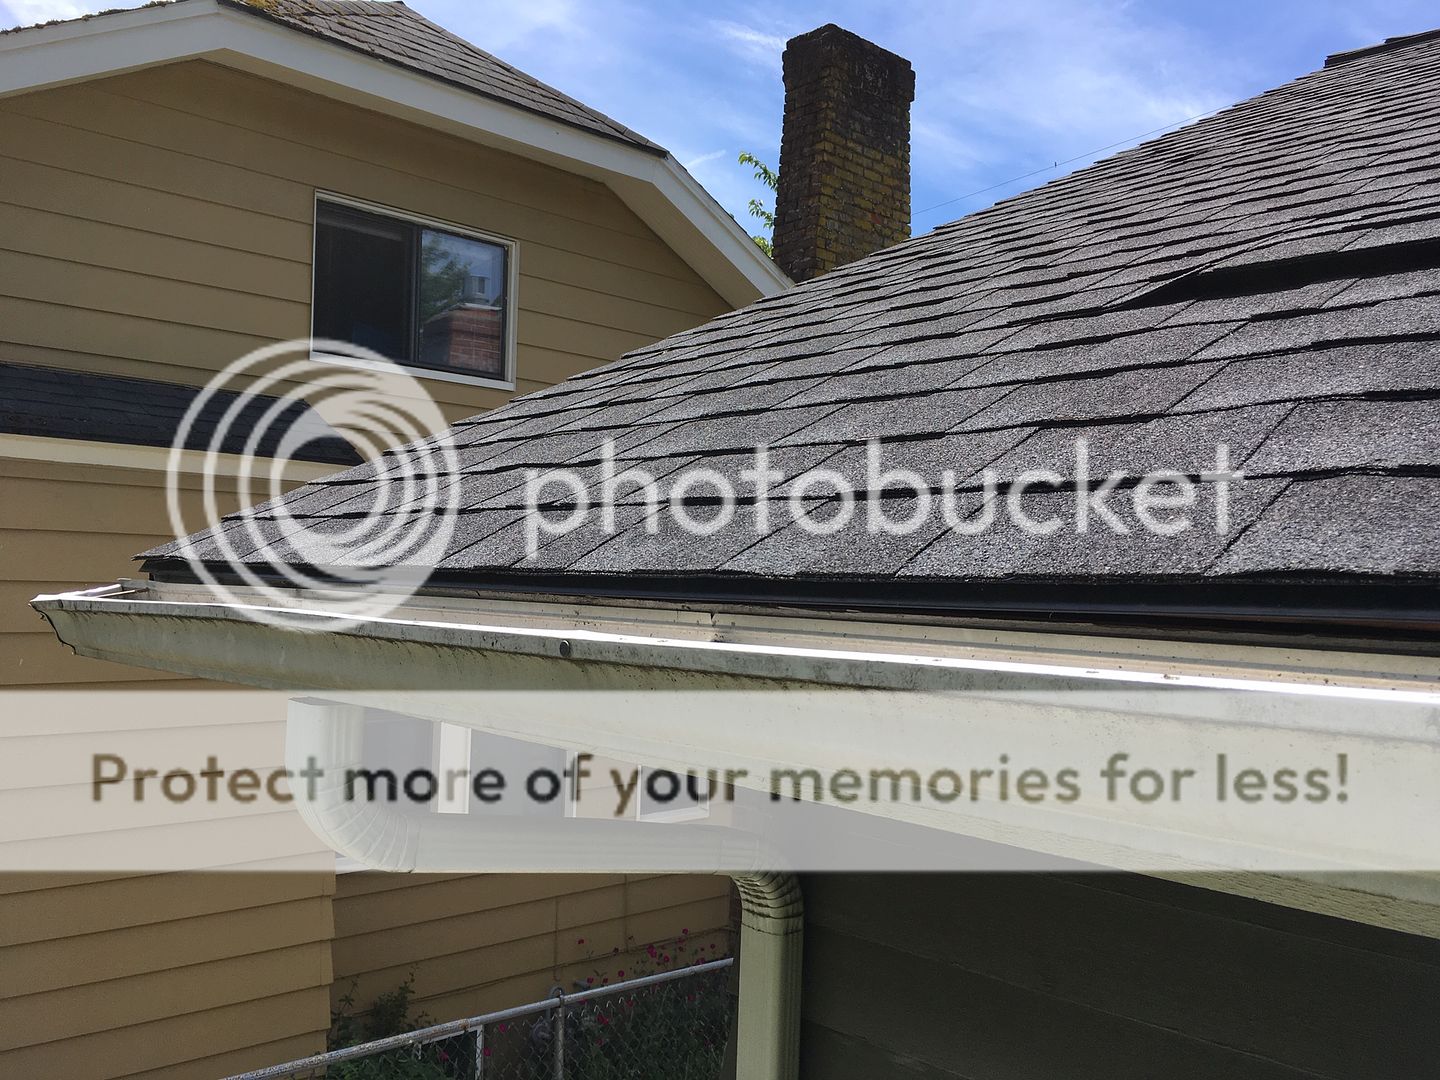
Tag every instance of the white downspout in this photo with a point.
(772, 925)
(382, 837)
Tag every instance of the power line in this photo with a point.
(1067, 161)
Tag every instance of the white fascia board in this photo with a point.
(655, 186)
(44, 57)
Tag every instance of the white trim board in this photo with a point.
(657, 188)
(151, 458)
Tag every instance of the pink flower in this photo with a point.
(684, 932)
(489, 1050)
(620, 974)
(589, 979)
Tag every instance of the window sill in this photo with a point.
(423, 373)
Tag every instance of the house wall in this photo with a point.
(992, 977)
(65, 526)
(480, 943)
(175, 975)
(159, 224)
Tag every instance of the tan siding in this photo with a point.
(66, 526)
(159, 225)
(239, 1061)
(175, 1041)
(105, 978)
(177, 210)
(484, 942)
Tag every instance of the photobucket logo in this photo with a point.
(896, 502)
(274, 408)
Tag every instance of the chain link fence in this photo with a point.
(670, 1026)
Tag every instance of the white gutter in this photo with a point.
(654, 185)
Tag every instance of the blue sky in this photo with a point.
(1004, 87)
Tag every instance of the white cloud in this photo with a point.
(696, 162)
(1005, 87)
(750, 44)
(29, 12)
(506, 25)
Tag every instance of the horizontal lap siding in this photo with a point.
(159, 224)
(133, 975)
(65, 527)
(484, 942)
(989, 977)
(180, 976)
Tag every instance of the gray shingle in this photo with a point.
(736, 432)
(1347, 434)
(889, 417)
(1186, 444)
(1008, 550)
(1138, 392)
(1356, 369)
(1356, 524)
(1161, 345)
(964, 455)
(1391, 318)
(833, 547)
(671, 548)
(55, 403)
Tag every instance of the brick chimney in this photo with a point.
(844, 186)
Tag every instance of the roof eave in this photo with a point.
(655, 186)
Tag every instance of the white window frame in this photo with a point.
(512, 284)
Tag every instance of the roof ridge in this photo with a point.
(1389, 44)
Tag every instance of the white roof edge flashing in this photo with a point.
(653, 185)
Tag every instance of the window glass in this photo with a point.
(461, 303)
(362, 274)
(416, 295)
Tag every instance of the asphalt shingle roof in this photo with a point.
(58, 404)
(391, 32)
(1268, 277)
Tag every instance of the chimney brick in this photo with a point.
(844, 178)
